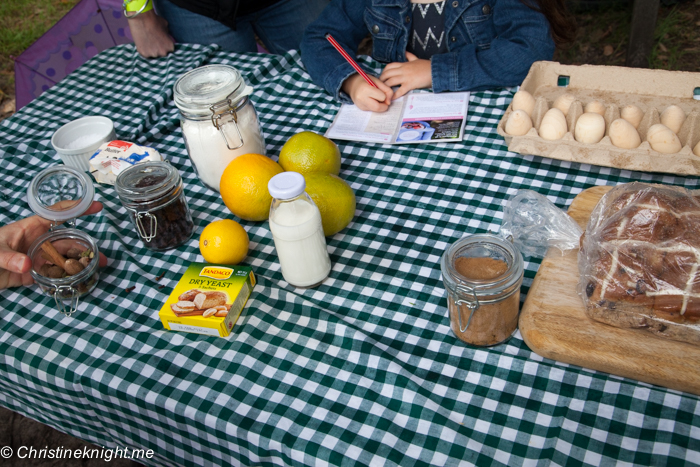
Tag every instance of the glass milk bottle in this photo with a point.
(295, 223)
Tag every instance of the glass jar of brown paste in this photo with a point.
(482, 274)
(152, 194)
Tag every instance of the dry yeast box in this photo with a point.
(208, 299)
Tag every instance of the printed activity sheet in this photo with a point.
(418, 117)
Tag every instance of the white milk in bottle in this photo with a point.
(295, 223)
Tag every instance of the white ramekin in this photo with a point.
(76, 141)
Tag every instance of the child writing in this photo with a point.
(449, 45)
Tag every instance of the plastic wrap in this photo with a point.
(534, 225)
(639, 260)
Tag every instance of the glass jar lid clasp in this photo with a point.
(473, 305)
(153, 225)
(65, 292)
(220, 109)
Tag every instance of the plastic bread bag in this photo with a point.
(534, 225)
(639, 260)
(113, 157)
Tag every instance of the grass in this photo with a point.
(21, 23)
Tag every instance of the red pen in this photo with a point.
(350, 60)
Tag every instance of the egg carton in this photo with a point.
(615, 87)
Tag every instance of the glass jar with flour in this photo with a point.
(218, 120)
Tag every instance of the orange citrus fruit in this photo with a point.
(334, 198)
(224, 242)
(308, 152)
(243, 186)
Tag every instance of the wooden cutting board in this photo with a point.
(554, 324)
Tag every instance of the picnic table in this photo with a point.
(363, 369)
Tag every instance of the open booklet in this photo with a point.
(418, 117)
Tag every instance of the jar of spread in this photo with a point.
(64, 259)
(218, 120)
(153, 195)
(482, 274)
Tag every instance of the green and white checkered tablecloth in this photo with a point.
(362, 370)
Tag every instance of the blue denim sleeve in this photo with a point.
(343, 19)
(521, 38)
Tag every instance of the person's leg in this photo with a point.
(188, 27)
(281, 26)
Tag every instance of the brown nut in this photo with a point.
(84, 260)
(56, 272)
(74, 253)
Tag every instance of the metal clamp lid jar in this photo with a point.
(153, 195)
(482, 274)
(60, 194)
(218, 120)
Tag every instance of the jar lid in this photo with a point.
(146, 181)
(286, 185)
(60, 193)
(483, 246)
(198, 89)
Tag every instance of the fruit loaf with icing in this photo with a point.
(639, 262)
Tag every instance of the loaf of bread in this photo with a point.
(639, 261)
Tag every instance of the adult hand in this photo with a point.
(366, 97)
(15, 240)
(413, 74)
(150, 33)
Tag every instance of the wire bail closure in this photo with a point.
(220, 109)
(153, 224)
(64, 292)
(472, 305)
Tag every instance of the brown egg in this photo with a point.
(623, 134)
(590, 128)
(553, 125)
(663, 139)
(518, 123)
(523, 100)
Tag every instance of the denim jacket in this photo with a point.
(491, 43)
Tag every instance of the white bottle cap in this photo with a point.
(286, 185)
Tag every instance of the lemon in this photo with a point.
(224, 242)
(308, 152)
(243, 186)
(334, 198)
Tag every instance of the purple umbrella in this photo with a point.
(89, 28)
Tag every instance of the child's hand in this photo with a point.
(366, 97)
(413, 74)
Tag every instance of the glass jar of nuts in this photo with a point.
(65, 259)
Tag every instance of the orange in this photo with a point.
(334, 198)
(243, 186)
(224, 242)
(308, 152)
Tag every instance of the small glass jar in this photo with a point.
(297, 230)
(153, 195)
(60, 194)
(218, 120)
(482, 274)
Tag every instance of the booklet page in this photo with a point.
(418, 117)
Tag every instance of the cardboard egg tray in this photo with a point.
(615, 87)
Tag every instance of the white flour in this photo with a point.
(207, 148)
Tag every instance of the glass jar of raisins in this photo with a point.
(153, 195)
